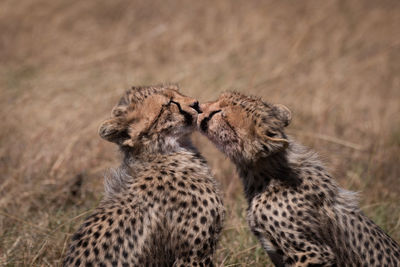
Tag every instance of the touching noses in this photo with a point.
(196, 107)
(209, 110)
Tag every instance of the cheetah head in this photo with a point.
(150, 115)
(245, 128)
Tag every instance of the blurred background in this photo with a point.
(64, 64)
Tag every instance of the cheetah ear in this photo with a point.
(114, 130)
(284, 114)
(124, 131)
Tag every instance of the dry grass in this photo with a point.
(336, 64)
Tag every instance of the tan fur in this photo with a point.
(162, 206)
(296, 209)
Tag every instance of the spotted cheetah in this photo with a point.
(295, 208)
(162, 206)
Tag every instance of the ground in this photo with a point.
(65, 64)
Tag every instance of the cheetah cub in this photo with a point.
(162, 206)
(295, 208)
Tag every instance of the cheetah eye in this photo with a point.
(171, 101)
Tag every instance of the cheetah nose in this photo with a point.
(204, 122)
(196, 107)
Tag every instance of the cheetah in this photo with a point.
(161, 207)
(295, 208)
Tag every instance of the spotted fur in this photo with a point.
(162, 206)
(295, 208)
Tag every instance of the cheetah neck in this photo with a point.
(257, 177)
(136, 167)
(156, 146)
(283, 169)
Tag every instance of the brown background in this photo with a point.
(64, 64)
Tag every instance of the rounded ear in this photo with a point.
(284, 114)
(113, 130)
